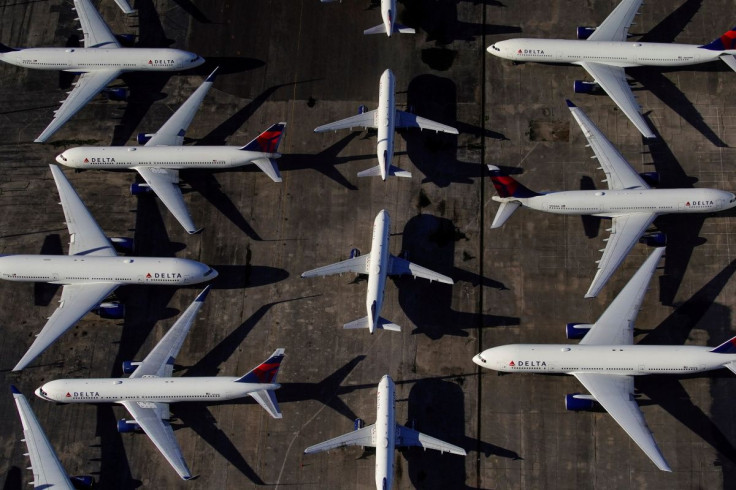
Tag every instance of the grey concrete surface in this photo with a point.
(308, 63)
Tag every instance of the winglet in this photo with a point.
(569, 103)
(14, 390)
(211, 78)
(203, 295)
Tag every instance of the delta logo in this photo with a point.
(530, 51)
(528, 364)
(99, 160)
(68, 395)
(511, 364)
(699, 204)
(163, 275)
(82, 394)
(161, 62)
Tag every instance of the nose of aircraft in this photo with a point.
(480, 360)
(60, 158)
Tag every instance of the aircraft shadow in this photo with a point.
(242, 276)
(668, 29)
(114, 468)
(430, 241)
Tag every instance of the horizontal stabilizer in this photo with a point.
(365, 323)
(371, 172)
(267, 399)
(403, 29)
(731, 366)
(505, 211)
(379, 29)
(269, 167)
(397, 172)
(730, 60)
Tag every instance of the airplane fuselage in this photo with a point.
(385, 433)
(170, 157)
(630, 360)
(385, 122)
(622, 54)
(93, 59)
(377, 268)
(148, 389)
(606, 202)
(388, 14)
(82, 269)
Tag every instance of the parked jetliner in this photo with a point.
(163, 155)
(378, 264)
(385, 119)
(91, 271)
(100, 61)
(146, 394)
(630, 202)
(604, 52)
(385, 435)
(388, 14)
(45, 464)
(605, 360)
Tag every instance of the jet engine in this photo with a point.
(577, 330)
(576, 402)
(137, 189)
(651, 178)
(82, 481)
(111, 310)
(584, 32)
(354, 253)
(581, 87)
(125, 426)
(143, 138)
(130, 366)
(119, 94)
(358, 424)
(122, 244)
(361, 109)
(654, 239)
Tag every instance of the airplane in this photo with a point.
(100, 61)
(125, 7)
(629, 201)
(163, 155)
(91, 271)
(389, 25)
(47, 469)
(146, 394)
(378, 263)
(606, 360)
(385, 119)
(604, 52)
(385, 435)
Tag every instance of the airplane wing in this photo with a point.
(76, 301)
(85, 88)
(364, 120)
(358, 265)
(85, 235)
(150, 417)
(626, 229)
(409, 120)
(96, 33)
(619, 173)
(160, 361)
(616, 325)
(612, 79)
(125, 6)
(361, 437)
(173, 130)
(410, 437)
(165, 183)
(615, 394)
(616, 25)
(47, 470)
(399, 266)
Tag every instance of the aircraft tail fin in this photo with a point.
(267, 399)
(379, 29)
(726, 41)
(508, 187)
(728, 347)
(268, 141)
(6, 49)
(365, 323)
(265, 372)
(505, 211)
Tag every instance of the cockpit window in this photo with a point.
(210, 271)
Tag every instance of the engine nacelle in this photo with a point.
(125, 426)
(122, 244)
(654, 239)
(358, 424)
(82, 481)
(576, 402)
(144, 137)
(126, 40)
(354, 253)
(137, 189)
(584, 32)
(130, 366)
(361, 109)
(581, 87)
(119, 94)
(577, 330)
(111, 310)
(651, 178)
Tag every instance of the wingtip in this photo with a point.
(195, 232)
(569, 103)
(15, 390)
(203, 295)
(211, 77)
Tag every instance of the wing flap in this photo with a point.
(362, 437)
(410, 437)
(358, 265)
(364, 120)
(399, 266)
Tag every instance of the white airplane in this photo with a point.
(100, 61)
(604, 52)
(125, 7)
(606, 360)
(163, 155)
(385, 435)
(389, 25)
(91, 271)
(146, 394)
(378, 264)
(629, 201)
(385, 119)
(47, 469)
